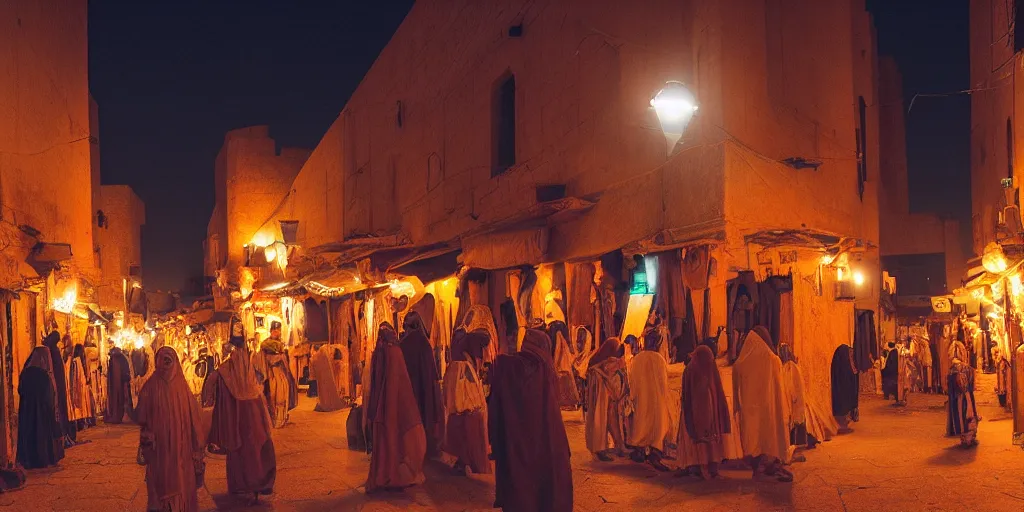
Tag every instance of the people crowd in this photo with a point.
(673, 406)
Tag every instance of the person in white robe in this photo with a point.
(762, 406)
(651, 423)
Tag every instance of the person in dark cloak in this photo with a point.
(119, 379)
(890, 372)
(40, 437)
(531, 449)
(845, 389)
(962, 412)
(426, 384)
(52, 342)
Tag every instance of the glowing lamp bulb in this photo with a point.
(271, 253)
(674, 104)
(858, 278)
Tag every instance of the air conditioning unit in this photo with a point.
(846, 291)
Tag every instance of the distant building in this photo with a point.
(523, 134)
(119, 220)
(921, 250)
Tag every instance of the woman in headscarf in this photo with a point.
(794, 385)
(531, 449)
(650, 424)
(819, 424)
(584, 351)
(845, 388)
(79, 390)
(273, 372)
(565, 356)
(890, 373)
(241, 422)
(632, 347)
(40, 438)
(962, 412)
(426, 386)
(465, 402)
(761, 405)
(119, 379)
(171, 440)
(399, 444)
(479, 318)
(327, 399)
(704, 418)
(607, 394)
(52, 343)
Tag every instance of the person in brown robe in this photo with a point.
(241, 422)
(171, 440)
(426, 386)
(399, 443)
(466, 404)
(705, 413)
(51, 342)
(531, 449)
(119, 378)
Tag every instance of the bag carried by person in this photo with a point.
(354, 429)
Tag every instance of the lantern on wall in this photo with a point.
(675, 106)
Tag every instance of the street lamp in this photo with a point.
(675, 106)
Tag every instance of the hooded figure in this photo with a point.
(845, 388)
(40, 438)
(465, 402)
(80, 406)
(607, 394)
(426, 385)
(651, 424)
(119, 381)
(60, 385)
(241, 422)
(399, 444)
(565, 356)
(531, 449)
(327, 398)
(705, 415)
(793, 379)
(890, 372)
(761, 405)
(480, 319)
(962, 411)
(171, 440)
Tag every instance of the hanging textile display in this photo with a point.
(579, 302)
(316, 321)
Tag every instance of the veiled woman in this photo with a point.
(761, 405)
(705, 416)
(171, 440)
(80, 406)
(531, 449)
(272, 370)
(845, 388)
(565, 356)
(241, 423)
(580, 364)
(399, 444)
(962, 411)
(810, 424)
(650, 424)
(119, 379)
(607, 395)
(327, 397)
(426, 385)
(52, 342)
(465, 402)
(40, 437)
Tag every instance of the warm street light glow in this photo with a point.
(826, 259)
(276, 286)
(270, 252)
(858, 278)
(675, 106)
(66, 303)
(993, 259)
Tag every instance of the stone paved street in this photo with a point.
(897, 459)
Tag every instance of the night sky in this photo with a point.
(171, 78)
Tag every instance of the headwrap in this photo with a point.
(479, 318)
